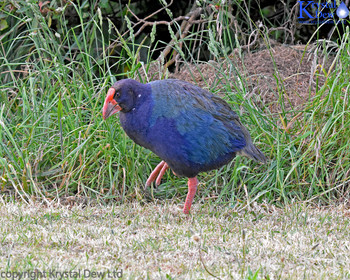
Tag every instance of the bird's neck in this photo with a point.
(136, 121)
(142, 95)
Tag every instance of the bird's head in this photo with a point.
(120, 97)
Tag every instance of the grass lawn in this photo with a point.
(159, 242)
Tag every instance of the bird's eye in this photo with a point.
(117, 94)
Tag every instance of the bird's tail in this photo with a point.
(251, 151)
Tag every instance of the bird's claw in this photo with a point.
(157, 173)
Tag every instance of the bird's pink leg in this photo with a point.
(158, 173)
(192, 188)
(161, 173)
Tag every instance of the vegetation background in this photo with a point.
(58, 59)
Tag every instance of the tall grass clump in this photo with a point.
(54, 143)
(52, 84)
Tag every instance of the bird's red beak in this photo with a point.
(111, 106)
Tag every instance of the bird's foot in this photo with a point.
(192, 188)
(158, 173)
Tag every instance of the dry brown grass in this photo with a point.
(152, 240)
(293, 72)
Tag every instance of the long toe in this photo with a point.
(155, 173)
(161, 173)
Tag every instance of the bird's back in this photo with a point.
(190, 128)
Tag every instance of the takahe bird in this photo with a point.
(189, 128)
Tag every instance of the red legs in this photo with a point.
(161, 173)
(158, 173)
(192, 188)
